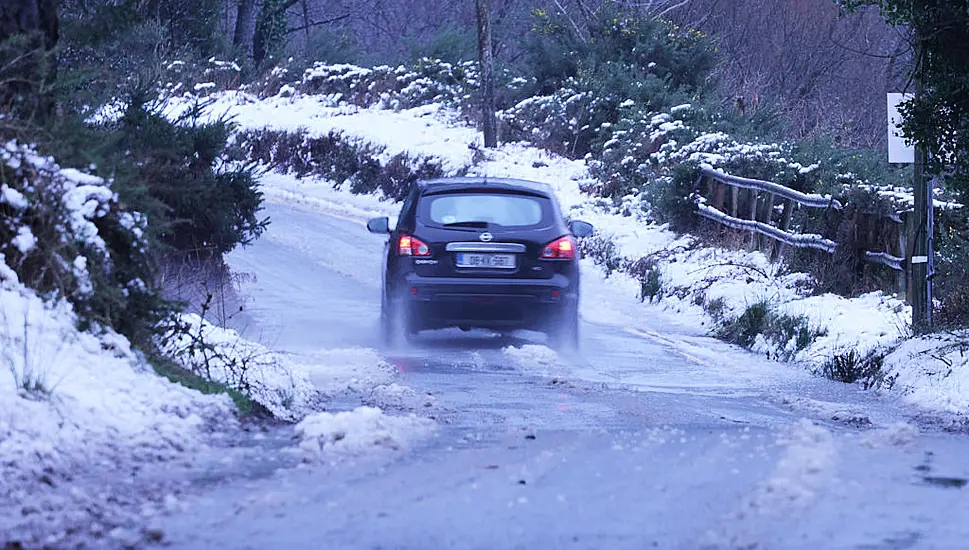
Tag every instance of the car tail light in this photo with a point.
(412, 246)
(560, 249)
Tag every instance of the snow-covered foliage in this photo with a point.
(65, 234)
(223, 356)
(344, 160)
(431, 81)
(200, 78)
(287, 386)
(567, 121)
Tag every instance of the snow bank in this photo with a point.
(290, 387)
(428, 130)
(401, 398)
(347, 370)
(534, 358)
(68, 398)
(933, 371)
(222, 355)
(359, 430)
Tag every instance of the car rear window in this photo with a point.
(506, 210)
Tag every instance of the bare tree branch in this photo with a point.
(319, 23)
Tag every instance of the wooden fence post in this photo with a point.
(786, 216)
(753, 216)
(896, 247)
(718, 195)
(766, 215)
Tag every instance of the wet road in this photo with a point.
(653, 436)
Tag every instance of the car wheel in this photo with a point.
(564, 335)
(395, 325)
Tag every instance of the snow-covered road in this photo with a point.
(654, 436)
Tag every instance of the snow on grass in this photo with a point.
(290, 387)
(933, 371)
(68, 397)
(222, 355)
(866, 323)
(357, 431)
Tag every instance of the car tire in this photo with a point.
(564, 335)
(395, 325)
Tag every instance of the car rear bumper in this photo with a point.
(487, 302)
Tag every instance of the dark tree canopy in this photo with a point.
(938, 117)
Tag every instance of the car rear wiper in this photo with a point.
(469, 223)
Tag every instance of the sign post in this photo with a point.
(921, 230)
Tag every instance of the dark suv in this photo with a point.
(476, 252)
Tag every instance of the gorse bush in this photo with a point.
(566, 122)
(210, 206)
(400, 87)
(586, 81)
(952, 269)
(106, 45)
(97, 243)
(66, 234)
(620, 56)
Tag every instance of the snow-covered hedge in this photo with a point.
(431, 81)
(566, 122)
(201, 77)
(64, 233)
(363, 167)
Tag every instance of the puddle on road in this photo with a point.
(945, 482)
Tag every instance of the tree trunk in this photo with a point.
(27, 16)
(306, 24)
(245, 24)
(486, 64)
(27, 65)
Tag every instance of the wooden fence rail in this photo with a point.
(752, 206)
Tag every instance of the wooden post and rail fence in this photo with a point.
(766, 210)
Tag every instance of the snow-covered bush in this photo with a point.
(851, 366)
(584, 85)
(431, 81)
(64, 233)
(786, 334)
(202, 204)
(567, 122)
(200, 77)
(336, 158)
(222, 356)
(620, 55)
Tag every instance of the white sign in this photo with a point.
(898, 150)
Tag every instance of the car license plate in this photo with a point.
(486, 261)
